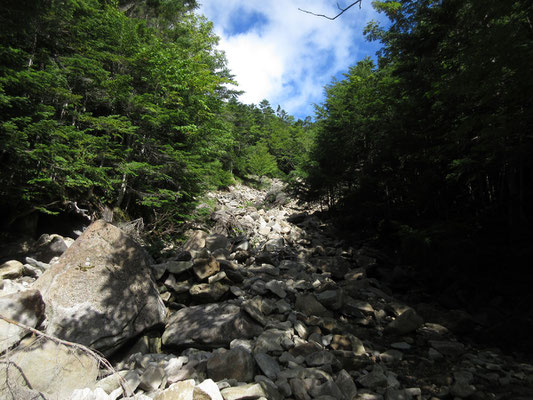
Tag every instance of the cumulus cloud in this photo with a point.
(279, 53)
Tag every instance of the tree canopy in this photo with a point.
(124, 105)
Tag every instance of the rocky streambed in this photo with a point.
(267, 304)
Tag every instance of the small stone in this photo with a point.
(268, 365)
(246, 345)
(232, 364)
(409, 321)
(183, 390)
(11, 270)
(217, 277)
(174, 267)
(211, 389)
(374, 379)
(401, 346)
(319, 358)
(332, 299)
(348, 342)
(326, 390)
(282, 306)
(391, 356)
(250, 391)
(298, 389)
(301, 329)
(152, 378)
(205, 267)
(447, 348)
(346, 385)
(309, 305)
(216, 242)
(276, 287)
(208, 292)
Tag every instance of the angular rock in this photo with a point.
(174, 267)
(183, 390)
(211, 389)
(336, 266)
(346, 385)
(332, 299)
(100, 292)
(308, 304)
(277, 287)
(298, 389)
(211, 326)
(448, 348)
(205, 267)
(89, 394)
(11, 270)
(26, 307)
(152, 378)
(216, 242)
(235, 364)
(268, 365)
(110, 383)
(208, 292)
(409, 321)
(348, 342)
(48, 247)
(271, 341)
(328, 389)
(374, 379)
(274, 245)
(53, 369)
(250, 391)
(319, 358)
(196, 241)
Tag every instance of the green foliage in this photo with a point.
(104, 108)
(125, 104)
(437, 137)
(260, 162)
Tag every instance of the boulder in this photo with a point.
(11, 270)
(52, 369)
(216, 242)
(26, 307)
(196, 241)
(309, 305)
(205, 267)
(409, 321)
(49, 246)
(209, 326)
(100, 293)
(208, 292)
(235, 364)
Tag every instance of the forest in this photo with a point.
(428, 149)
(125, 105)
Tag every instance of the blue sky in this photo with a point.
(284, 55)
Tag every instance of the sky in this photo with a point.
(281, 54)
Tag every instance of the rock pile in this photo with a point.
(265, 306)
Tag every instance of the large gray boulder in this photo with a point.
(46, 367)
(101, 292)
(26, 307)
(209, 326)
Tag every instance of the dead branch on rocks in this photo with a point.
(343, 10)
(100, 359)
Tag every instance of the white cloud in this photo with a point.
(290, 58)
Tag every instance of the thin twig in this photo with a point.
(343, 10)
(92, 353)
(21, 372)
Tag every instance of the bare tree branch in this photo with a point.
(101, 360)
(343, 10)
